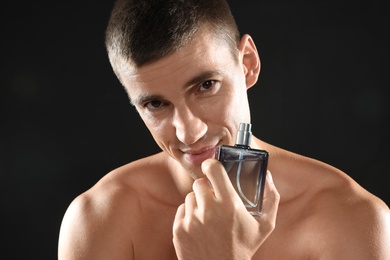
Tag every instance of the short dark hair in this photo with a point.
(143, 31)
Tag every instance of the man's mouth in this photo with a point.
(198, 156)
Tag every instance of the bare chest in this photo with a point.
(292, 239)
(153, 236)
(153, 233)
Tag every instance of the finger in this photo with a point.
(190, 204)
(203, 192)
(218, 178)
(270, 203)
(180, 213)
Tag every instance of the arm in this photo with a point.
(213, 223)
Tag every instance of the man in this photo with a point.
(187, 71)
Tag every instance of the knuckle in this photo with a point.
(267, 225)
(198, 183)
(189, 197)
(210, 166)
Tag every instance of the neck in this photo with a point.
(181, 177)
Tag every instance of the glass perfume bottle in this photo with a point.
(246, 168)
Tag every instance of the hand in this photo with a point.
(213, 223)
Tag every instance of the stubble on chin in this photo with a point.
(195, 172)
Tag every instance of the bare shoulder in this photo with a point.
(335, 217)
(100, 223)
(324, 213)
(351, 221)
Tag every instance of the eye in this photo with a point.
(154, 104)
(207, 85)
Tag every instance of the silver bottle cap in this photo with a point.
(244, 135)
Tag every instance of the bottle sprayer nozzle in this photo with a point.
(244, 134)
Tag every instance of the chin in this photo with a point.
(196, 176)
(195, 172)
(192, 170)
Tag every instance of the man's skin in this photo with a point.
(192, 101)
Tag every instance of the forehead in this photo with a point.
(206, 52)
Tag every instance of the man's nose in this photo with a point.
(189, 127)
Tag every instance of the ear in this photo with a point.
(250, 60)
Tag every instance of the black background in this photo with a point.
(66, 121)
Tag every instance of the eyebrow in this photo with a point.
(144, 99)
(195, 80)
(202, 77)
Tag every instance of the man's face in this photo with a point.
(192, 100)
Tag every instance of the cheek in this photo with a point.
(237, 110)
(236, 106)
(219, 110)
(160, 129)
(160, 135)
(152, 122)
(155, 127)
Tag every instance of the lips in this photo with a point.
(198, 156)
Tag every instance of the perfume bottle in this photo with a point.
(246, 168)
